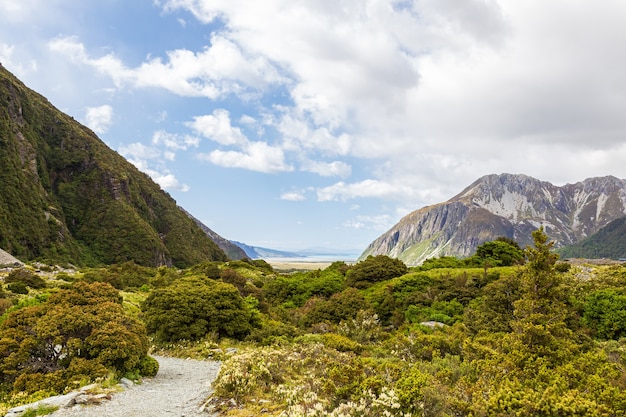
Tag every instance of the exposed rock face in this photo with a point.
(504, 205)
(8, 259)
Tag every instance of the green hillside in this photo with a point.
(609, 242)
(66, 197)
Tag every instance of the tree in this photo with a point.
(77, 333)
(374, 269)
(193, 307)
(500, 252)
(540, 313)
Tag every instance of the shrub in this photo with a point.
(193, 307)
(17, 288)
(26, 277)
(375, 269)
(77, 334)
(341, 343)
(148, 366)
(341, 306)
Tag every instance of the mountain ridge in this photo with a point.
(65, 196)
(510, 205)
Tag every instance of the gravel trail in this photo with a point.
(179, 389)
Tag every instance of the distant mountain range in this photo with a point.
(66, 197)
(504, 205)
(256, 252)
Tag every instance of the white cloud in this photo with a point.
(369, 188)
(99, 118)
(379, 223)
(254, 156)
(219, 69)
(174, 141)
(328, 169)
(461, 86)
(217, 127)
(293, 196)
(138, 151)
(168, 181)
(141, 156)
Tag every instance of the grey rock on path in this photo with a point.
(180, 388)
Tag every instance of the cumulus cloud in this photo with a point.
(174, 141)
(369, 188)
(217, 127)
(254, 156)
(144, 158)
(328, 169)
(443, 91)
(379, 223)
(219, 69)
(464, 81)
(293, 196)
(99, 118)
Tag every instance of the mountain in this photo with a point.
(256, 252)
(504, 205)
(66, 197)
(609, 242)
(230, 249)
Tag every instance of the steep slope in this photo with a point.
(504, 205)
(609, 242)
(230, 249)
(66, 196)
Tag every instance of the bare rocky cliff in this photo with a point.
(504, 205)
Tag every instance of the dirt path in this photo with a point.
(179, 389)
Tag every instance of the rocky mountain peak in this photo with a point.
(510, 205)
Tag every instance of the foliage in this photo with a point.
(340, 306)
(18, 288)
(121, 276)
(26, 277)
(193, 307)
(295, 289)
(77, 334)
(42, 410)
(605, 314)
(66, 197)
(608, 242)
(374, 269)
(500, 252)
(441, 262)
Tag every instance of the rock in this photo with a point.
(126, 383)
(60, 401)
(433, 324)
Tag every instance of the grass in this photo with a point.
(42, 410)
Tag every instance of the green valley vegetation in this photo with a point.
(66, 337)
(65, 197)
(506, 332)
(608, 242)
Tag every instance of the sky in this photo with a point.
(299, 124)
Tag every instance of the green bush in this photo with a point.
(193, 307)
(344, 305)
(76, 334)
(341, 343)
(375, 269)
(148, 366)
(26, 277)
(17, 288)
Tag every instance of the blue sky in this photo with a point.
(307, 124)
